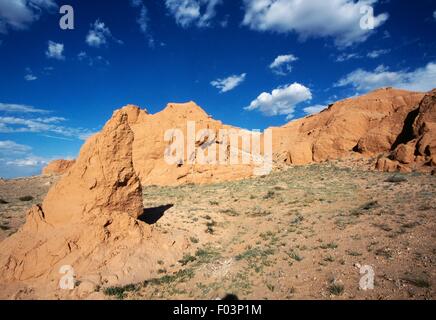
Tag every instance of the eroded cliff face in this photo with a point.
(88, 220)
(366, 126)
(150, 163)
(415, 146)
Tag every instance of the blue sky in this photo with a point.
(249, 63)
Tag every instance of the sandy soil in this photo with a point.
(297, 233)
(18, 195)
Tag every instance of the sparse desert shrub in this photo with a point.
(269, 195)
(259, 212)
(207, 254)
(330, 245)
(294, 255)
(26, 198)
(336, 289)
(214, 203)
(384, 252)
(299, 218)
(194, 239)
(365, 207)
(354, 253)
(230, 212)
(329, 259)
(120, 292)
(186, 259)
(210, 226)
(396, 179)
(179, 276)
(418, 282)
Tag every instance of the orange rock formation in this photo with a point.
(57, 167)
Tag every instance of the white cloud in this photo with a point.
(8, 147)
(29, 161)
(377, 53)
(142, 20)
(99, 34)
(338, 19)
(98, 60)
(282, 65)
(143, 16)
(281, 101)
(20, 108)
(187, 12)
(347, 56)
(55, 51)
(41, 125)
(30, 77)
(421, 79)
(314, 109)
(17, 160)
(20, 14)
(229, 83)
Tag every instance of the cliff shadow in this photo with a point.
(153, 215)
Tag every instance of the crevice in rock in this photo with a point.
(406, 134)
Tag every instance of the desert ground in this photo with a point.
(298, 233)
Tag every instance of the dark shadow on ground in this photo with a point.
(152, 215)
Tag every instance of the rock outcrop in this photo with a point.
(89, 221)
(415, 146)
(57, 167)
(365, 125)
(372, 125)
(149, 147)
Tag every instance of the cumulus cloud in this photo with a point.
(420, 79)
(338, 19)
(282, 65)
(20, 14)
(188, 12)
(281, 101)
(55, 51)
(99, 35)
(314, 109)
(229, 83)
